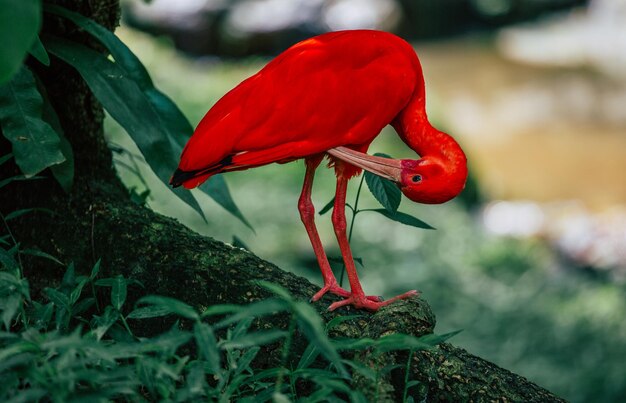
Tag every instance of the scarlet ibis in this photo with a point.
(330, 95)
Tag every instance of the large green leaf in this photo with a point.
(20, 21)
(63, 172)
(39, 52)
(118, 292)
(172, 120)
(36, 145)
(404, 218)
(127, 104)
(120, 52)
(384, 190)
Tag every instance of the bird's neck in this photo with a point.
(416, 131)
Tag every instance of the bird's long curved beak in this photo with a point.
(385, 167)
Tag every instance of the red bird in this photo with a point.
(330, 95)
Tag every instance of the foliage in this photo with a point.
(121, 84)
(76, 342)
(20, 21)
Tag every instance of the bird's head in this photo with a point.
(429, 180)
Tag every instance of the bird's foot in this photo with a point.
(363, 302)
(334, 288)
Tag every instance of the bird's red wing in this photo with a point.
(335, 89)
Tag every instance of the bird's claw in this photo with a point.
(334, 288)
(363, 302)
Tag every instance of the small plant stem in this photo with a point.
(406, 375)
(285, 353)
(355, 211)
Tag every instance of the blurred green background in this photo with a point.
(531, 261)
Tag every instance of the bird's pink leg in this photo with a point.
(357, 297)
(307, 214)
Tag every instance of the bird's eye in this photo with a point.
(417, 178)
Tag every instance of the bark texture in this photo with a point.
(98, 220)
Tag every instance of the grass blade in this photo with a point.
(173, 305)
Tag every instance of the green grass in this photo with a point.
(75, 344)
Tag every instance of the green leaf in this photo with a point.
(128, 105)
(253, 339)
(217, 189)
(256, 309)
(221, 309)
(20, 21)
(95, 270)
(384, 190)
(276, 289)
(16, 178)
(278, 397)
(18, 348)
(170, 117)
(38, 253)
(244, 362)
(63, 172)
(327, 207)
(173, 305)
(398, 341)
(312, 326)
(69, 277)
(353, 344)
(435, 339)
(7, 260)
(9, 306)
(362, 369)
(403, 218)
(36, 145)
(58, 298)
(78, 289)
(120, 52)
(118, 292)
(410, 384)
(308, 356)
(104, 322)
(268, 373)
(83, 305)
(43, 315)
(39, 52)
(151, 311)
(240, 328)
(207, 345)
(337, 320)
(5, 158)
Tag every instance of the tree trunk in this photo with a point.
(98, 220)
